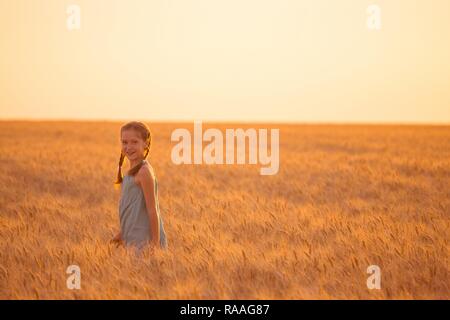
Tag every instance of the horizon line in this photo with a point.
(285, 122)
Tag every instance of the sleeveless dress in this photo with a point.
(133, 214)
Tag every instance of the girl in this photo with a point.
(140, 219)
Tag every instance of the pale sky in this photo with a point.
(226, 60)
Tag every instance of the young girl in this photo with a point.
(140, 219)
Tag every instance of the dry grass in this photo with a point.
(346, 197)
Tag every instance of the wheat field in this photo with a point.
(346, 197)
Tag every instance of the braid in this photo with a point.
(149, 143)
(119, 172)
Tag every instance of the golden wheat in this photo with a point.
(346, 197)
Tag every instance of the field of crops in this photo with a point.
(345, 197)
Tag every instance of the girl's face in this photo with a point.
(133, 146)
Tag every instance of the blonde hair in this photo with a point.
(146, 135)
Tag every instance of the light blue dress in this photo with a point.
(134, 219)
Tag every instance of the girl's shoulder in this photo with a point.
(146, 171)
(148, 165)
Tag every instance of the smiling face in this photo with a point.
(133, 145)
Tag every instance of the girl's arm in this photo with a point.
(146, 181)
(117, 239)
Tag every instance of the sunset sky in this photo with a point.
(226, 60)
